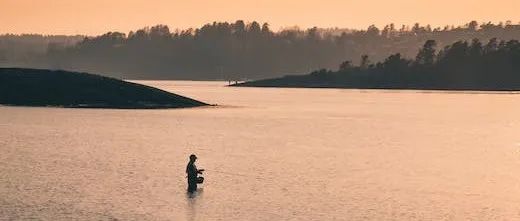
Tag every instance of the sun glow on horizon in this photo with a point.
(95, 17)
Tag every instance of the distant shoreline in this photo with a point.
(392, 90)
(107, 107)
(462, 66)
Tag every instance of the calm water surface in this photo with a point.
(270, 154)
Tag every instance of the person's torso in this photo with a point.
(191, 170)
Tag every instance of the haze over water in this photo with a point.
(270, 154)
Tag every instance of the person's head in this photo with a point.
(193, 157)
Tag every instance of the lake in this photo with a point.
(269, 154)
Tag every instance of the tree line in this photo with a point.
(463, 65)
(241, 50)
(22, 50)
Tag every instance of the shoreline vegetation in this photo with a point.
(49, 88)
(232, 51)
(461, 66)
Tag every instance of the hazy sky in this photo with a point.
(100, 16)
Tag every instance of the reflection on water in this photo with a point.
(270, 154)
(192, 199)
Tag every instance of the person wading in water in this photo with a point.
(193, 172)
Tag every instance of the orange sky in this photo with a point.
(99, 16)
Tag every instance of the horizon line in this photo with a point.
(279, 29)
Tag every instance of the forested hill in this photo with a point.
(24, 49)
(242, 50)
(474, 65)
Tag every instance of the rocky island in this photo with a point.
(57, 88)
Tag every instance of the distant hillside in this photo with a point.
(35, 87)
(240, 50)
(28, 49)
(494, 66)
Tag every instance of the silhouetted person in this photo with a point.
(193, 172)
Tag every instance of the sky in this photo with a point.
(94, 17)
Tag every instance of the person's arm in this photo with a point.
(200, 171)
